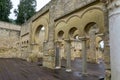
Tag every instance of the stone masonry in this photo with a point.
(9, 40)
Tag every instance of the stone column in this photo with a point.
(49, 58)
(114, 29)
(58, 57)
(99, 51)
(107, 52)
(68, 55)
(92, 46)
(84, 56)
(105, 37)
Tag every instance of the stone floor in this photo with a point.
(18, 69)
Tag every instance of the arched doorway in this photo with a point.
(71, 48)
(39, 42)
(91, 30)
(60, 38)
(99, 48)
(73, 39)
(59, 49)
(95, 48)
(76, 48)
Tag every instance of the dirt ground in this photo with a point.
(18, 69)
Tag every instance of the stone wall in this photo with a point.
(9, 39)
(25, 40)
(64, 7)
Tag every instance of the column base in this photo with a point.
(108, 75)
(68, 70)
(84, 74)
(58, 67)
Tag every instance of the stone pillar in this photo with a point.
(107, 52)
(49, 57)
(58, 57)
(105, 37)
(68, 55)
(84, 56)
(92, 46)
(114, 29)
(99, 52)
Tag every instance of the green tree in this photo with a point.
(5, 7)
(26, 9)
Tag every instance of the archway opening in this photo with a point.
(60, 35)
(72, 31)
(99, 48)
(101, 43)
(39, 42)
(91, 27)
(76, 37)
(76, 48)
(40, 34)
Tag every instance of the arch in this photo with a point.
(59, 22)
(27, 41)
(73, 16)
(89, 9)
(99, 48)
(72, 31)
(73, 21)
(39, 30)
(98, 40)
(93, 16)
(76, 37)
(60, 34)
(91, 25)
(60, 27)
(36, 25)
(101, 43)
(76, 33)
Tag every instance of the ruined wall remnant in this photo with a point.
(63, 22)
(9, 40)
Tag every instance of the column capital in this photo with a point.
(83, 38)
(102, 34)
(67, 40)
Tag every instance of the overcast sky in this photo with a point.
(40, 4)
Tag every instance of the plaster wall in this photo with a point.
(114, 28)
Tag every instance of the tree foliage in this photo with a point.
(5, 7)
(25, 10)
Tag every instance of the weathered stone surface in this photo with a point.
(62, 20)
(9, 40)
(69, 16)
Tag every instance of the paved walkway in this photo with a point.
(18, 69)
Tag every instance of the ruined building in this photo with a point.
(67, 29)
